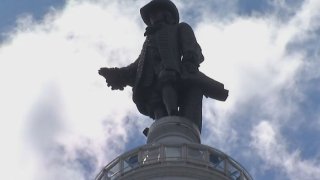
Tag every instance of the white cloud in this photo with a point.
(54, 64)
(272, 148)
(250, 56)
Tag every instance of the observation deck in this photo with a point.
(186, 161)
(174, 155)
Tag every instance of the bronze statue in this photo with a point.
(165, 78)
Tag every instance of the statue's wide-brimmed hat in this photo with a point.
(159, 4)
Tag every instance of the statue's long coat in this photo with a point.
(175, 43)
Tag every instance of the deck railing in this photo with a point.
(195, 154)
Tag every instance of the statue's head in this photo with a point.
(160, 10)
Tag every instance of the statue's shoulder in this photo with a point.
(184, 25)
(181, 25)
(185, 29)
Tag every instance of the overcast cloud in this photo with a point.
(59, 120)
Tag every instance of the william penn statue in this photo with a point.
(165, 79)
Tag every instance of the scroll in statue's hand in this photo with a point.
(113, 77)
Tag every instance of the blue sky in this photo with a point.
(60, 121)
(10, 10)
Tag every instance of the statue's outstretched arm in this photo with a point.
(118, 78)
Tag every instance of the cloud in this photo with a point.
(268, 82)
(249, 57)
(62, 122)
(271, 147)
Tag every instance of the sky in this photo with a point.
(59, 120)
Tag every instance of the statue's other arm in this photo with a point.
(118, 78)
(191, 50)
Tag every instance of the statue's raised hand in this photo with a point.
(113, 77)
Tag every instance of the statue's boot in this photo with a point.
(159, 112)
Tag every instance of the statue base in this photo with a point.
(173, 130)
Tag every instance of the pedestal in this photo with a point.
(173, 130)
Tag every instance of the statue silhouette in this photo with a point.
(165, 78)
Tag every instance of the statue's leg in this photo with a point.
(191, 104)
(167, 80)
(155, 103)
(170, 99)
(160, 112)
